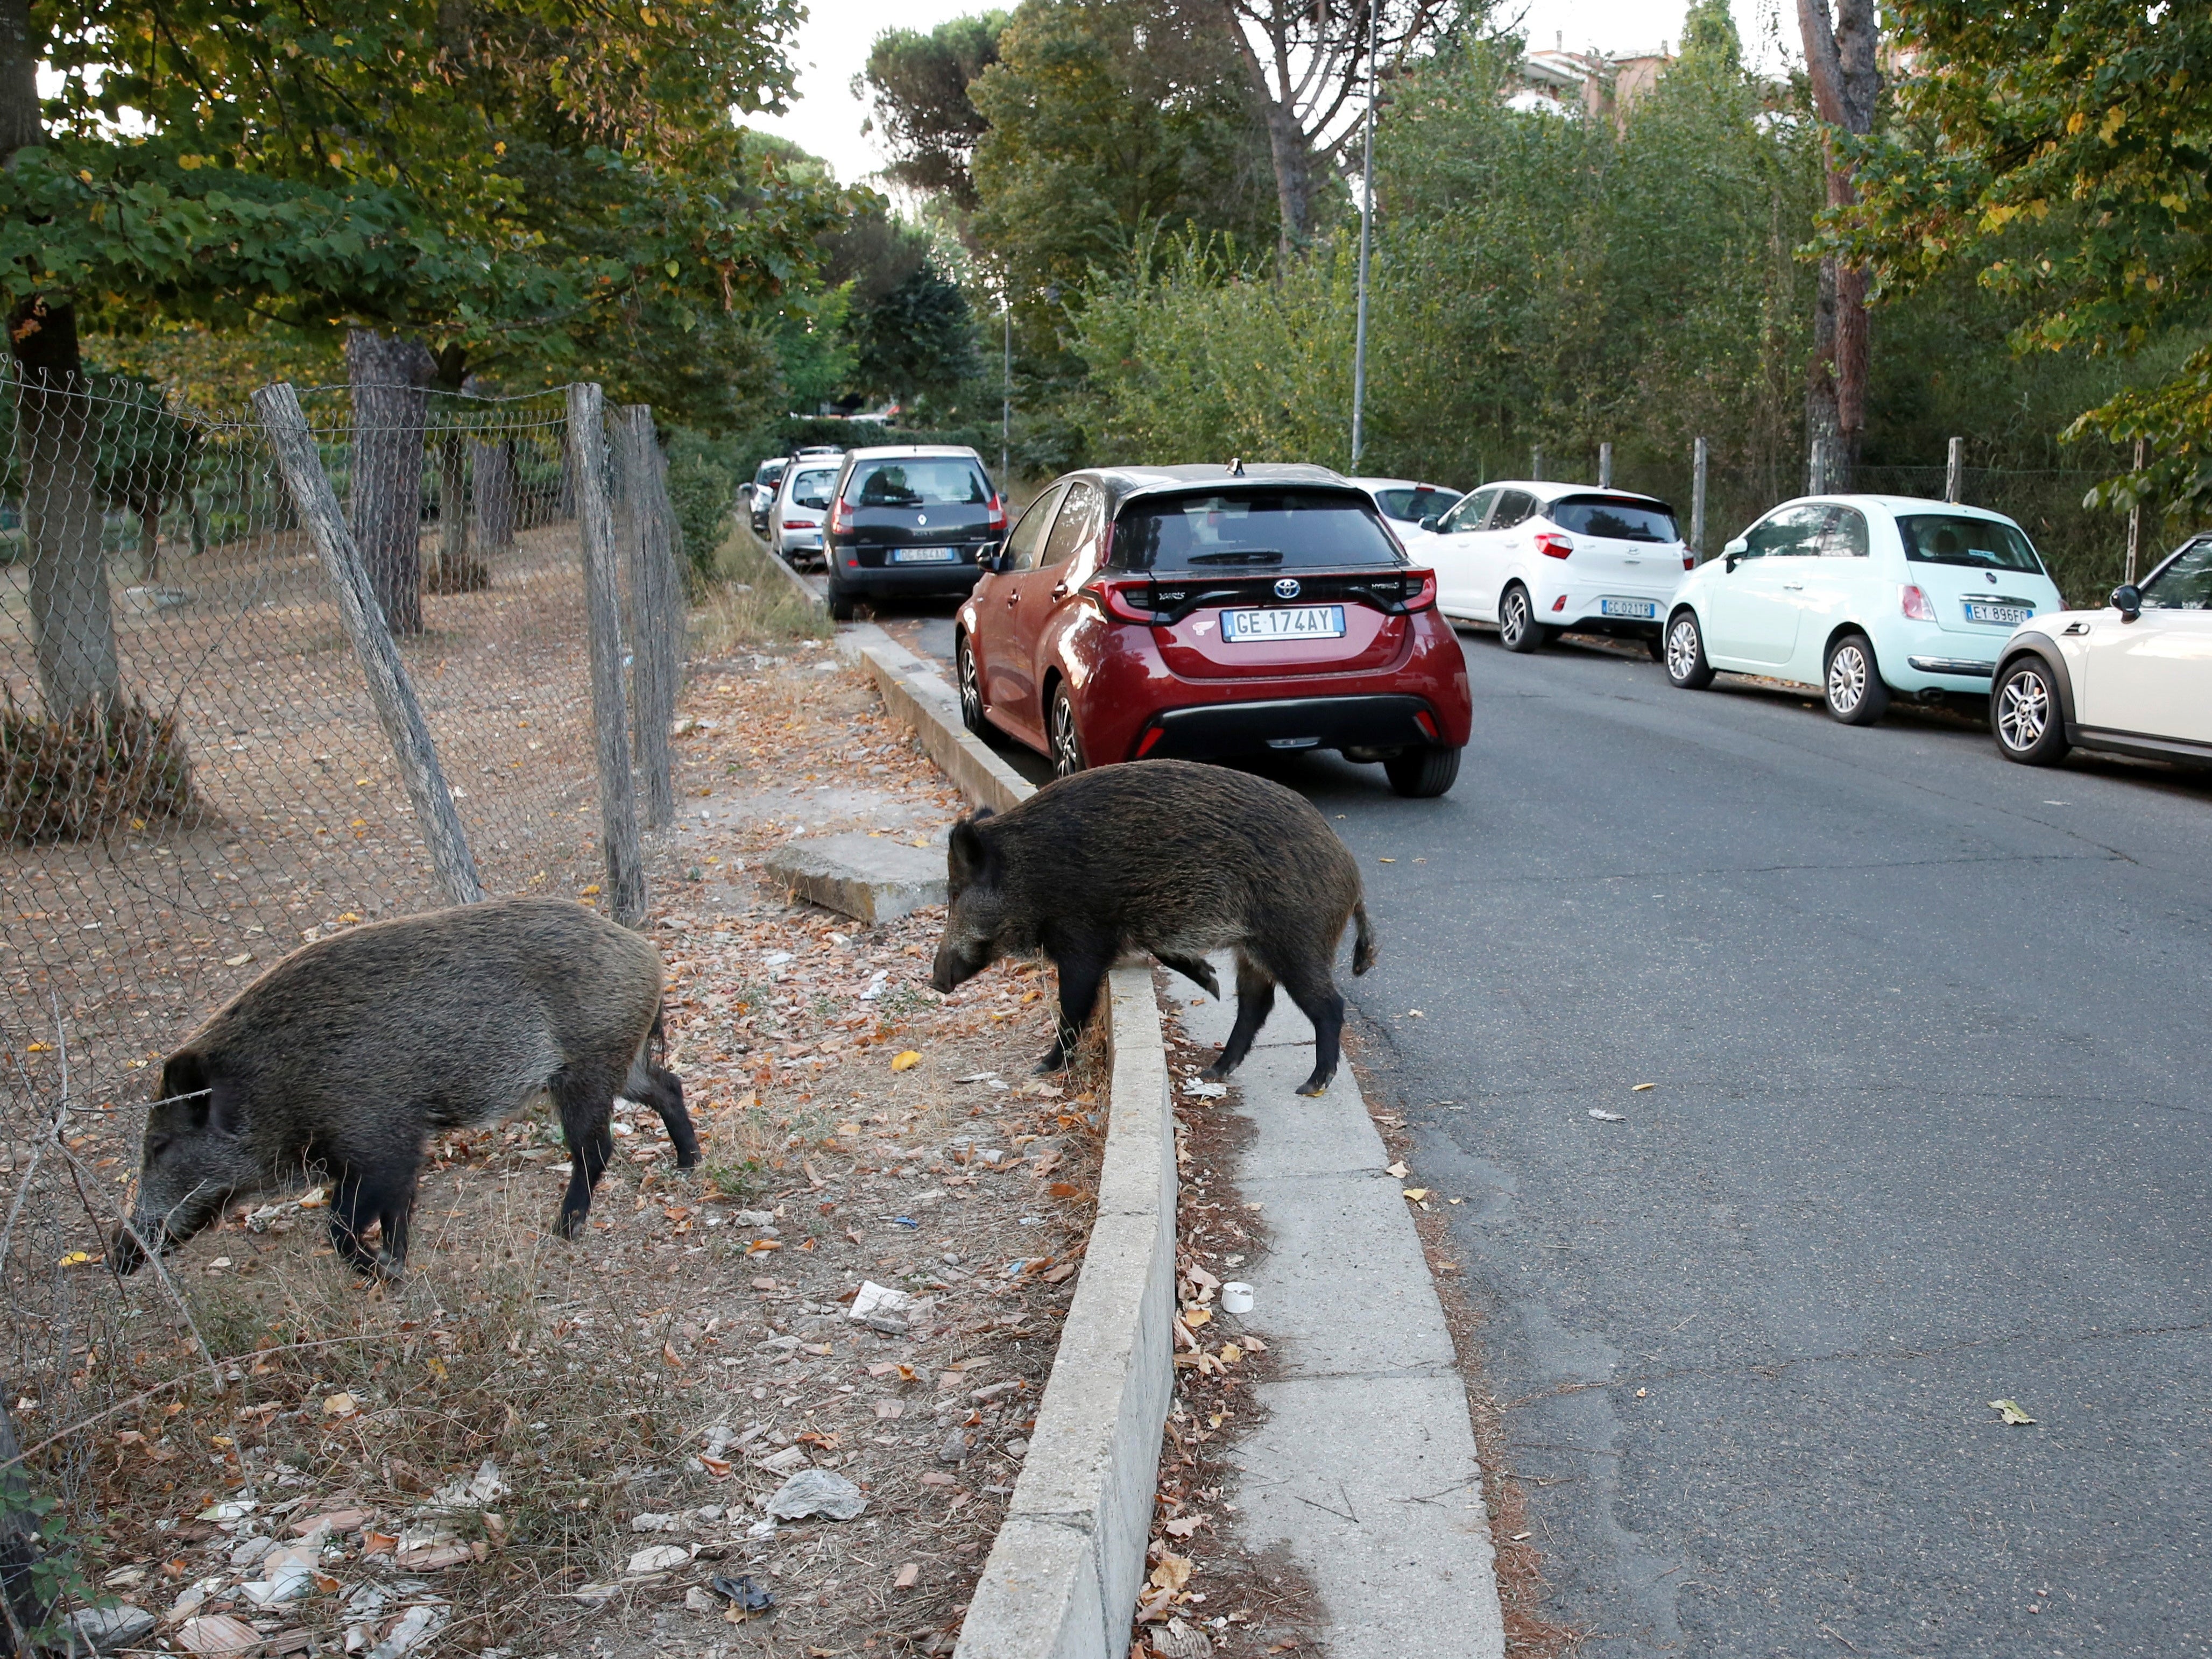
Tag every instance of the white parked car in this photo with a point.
(802, 502)
(1864, 596)
(2134, 677)
(1540, 558)
(1411, 507)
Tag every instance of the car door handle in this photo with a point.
(1060, 590)
(1013, 598)
(1792, 588)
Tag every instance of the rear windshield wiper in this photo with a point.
(1238, 555)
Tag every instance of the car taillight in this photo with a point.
(1552, 545)
(799, 524)
(1425, 595)
(998, 522)
(1422, 719)
(840, 516)
(1150, 741)
(1916, 604)
(1123, 600)
(1689, 561)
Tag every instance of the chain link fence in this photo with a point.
(370, 652)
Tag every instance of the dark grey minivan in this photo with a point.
(909, 519)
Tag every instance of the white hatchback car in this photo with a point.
(1862, 596)
(1539, 558)
(2134, 677)
(802, 502)
(1409, 506)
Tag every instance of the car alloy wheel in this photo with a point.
(1517, 621)
(1686, 653)
(1066, 742)
(971, 687)
(2025, 716)
(1856, 695)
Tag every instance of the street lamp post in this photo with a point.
(1366, 239)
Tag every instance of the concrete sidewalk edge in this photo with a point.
(1064, 1571)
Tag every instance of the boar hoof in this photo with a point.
(1313, 1086)
(1217, 1072)
(1055, 1060)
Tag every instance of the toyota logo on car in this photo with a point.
(1287, 588)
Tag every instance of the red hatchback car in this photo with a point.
(1209, 611)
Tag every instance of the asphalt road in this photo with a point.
(1931, 1128)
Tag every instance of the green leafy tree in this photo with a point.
(2061, 153)
(918, 340)
(919, 84)
(1108, 119)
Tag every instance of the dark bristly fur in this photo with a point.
(346, 1056)
(1172, 857)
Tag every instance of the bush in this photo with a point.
(63, 781)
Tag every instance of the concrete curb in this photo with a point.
(1065, 1569)
(915, 691)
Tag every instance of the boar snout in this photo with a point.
(955, 965)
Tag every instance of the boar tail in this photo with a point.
(1363, 945)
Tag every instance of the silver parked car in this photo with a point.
(802, 502)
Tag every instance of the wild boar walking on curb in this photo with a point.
(344, 1058)
(1172, 858)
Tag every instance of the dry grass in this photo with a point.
(750, 603)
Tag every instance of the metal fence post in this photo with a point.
(1697, 500)
(1954, 471)
(587, 454)
(647, 527)
(2134, 523)
(396, 710)
(1605, 466)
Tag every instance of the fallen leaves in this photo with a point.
(907, 1060)
(2009, 1413)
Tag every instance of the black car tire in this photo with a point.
(1684, 652)
(1851, 682)
(1065, 735)
(1517, 627)
(1422, 774)
(841, 603)
(972, 689)
(2025, 716)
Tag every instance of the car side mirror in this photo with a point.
(2127, 599)
(994, 558)
(1735, 550)
(1432, 521)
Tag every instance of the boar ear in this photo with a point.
(185, 1087)
(968, 855)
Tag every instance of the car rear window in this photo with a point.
(1252, 530)
(1955, 538)
(1415, 505)
(812, 488)
(937, 481)
(1620, 517)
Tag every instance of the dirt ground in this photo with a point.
(532, 1448)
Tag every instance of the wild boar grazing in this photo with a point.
(341, 1060)
(1172, 858)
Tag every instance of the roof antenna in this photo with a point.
(1236, 467)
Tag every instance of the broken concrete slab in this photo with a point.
(872, 879)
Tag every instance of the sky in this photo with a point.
(834, 41)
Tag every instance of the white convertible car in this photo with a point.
(2134, 677)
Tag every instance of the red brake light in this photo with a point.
(998, 512)
(799, 524)
(1916, 604)
(1122, 600)
(1689, 561)
(841, 516)
(1552, 545)
(1424, 596)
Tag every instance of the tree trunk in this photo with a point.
(390, 379)
(56, 447)
(1822, 426)
(459, 570)
(1287, 149)
(1842, 62)
(493, 464)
